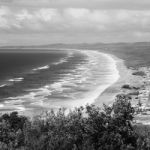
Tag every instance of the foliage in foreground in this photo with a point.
(82, 129)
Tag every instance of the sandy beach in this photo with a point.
(126, 77)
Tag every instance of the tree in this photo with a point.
(84, 128)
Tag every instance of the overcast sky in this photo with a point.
(73, 21)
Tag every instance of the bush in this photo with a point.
(11, 131)
(139, 73)
(136, 93)
(88, 128)
(126, 86)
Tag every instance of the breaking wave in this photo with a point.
(64, 60)
(81, 85)
(41, 68)
(16, 80)
(3, 85)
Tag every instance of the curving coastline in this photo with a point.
(98, 79)
(113, 79)
(125, 76)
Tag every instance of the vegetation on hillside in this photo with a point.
(139, 73)
(88, 128)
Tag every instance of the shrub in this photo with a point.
(88, 128)
(139, 73)
(11, 130)
(136, 93)
(126, 86)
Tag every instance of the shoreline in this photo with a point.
(108, 95)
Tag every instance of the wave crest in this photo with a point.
(41, 68)
(16, 80)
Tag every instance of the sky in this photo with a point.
(36, 22)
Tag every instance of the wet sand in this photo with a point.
(126, 77)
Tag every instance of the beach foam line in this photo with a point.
(112, 61)
(41, 68)
(64, 60)
(93, 54)
(3, 85)
(1, 105)
(16, 80)
(20, 108)
(40, 96)
(91, 96)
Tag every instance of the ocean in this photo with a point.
(37, 81)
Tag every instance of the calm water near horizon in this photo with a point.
(34, 81)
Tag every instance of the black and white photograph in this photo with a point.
(74, 75)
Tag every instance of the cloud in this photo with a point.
(90, 4)
(75, 22)
(4, 12)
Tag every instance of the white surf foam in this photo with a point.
(65, 59)
(3, 85)
(16, 80)
(1, 105)
(61, 61)
(12, 105)
(41, 68)
(94, 63)
(82, 74)
(88, 76)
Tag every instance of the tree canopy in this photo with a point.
(84, 128)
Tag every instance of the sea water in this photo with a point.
(34, 81)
